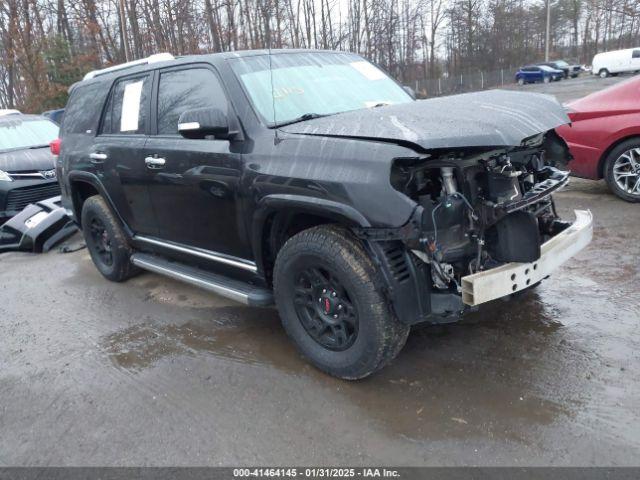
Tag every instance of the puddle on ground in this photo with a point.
(247, 335)
(485, 376)
(488, 375)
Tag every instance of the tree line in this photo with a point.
(46, 45)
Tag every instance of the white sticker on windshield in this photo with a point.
(131, 107)
(369, 71)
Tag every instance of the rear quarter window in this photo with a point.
(127, 110)
(82, 113)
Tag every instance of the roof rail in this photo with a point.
(158, 57)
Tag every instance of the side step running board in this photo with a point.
(234, 289)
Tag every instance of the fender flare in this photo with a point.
(76, 176)
(274, 203)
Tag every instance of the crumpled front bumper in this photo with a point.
(498, 282)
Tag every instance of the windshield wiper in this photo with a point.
(34, 147)
(302, 118)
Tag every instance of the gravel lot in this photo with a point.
(153, 372)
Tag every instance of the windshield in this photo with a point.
(18, 133)
(546, 68)
(314, 84)
(562, 63)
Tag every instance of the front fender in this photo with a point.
(270, 204)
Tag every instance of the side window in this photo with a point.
(83, 109)
(182, 90)
(635, 54)
(127, 110)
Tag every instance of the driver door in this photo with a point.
(194, 182)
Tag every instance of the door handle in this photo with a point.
(155, 163)
(97, 158)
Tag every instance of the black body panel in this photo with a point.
(52, 228)
(481, 119)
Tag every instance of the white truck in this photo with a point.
(616, 61)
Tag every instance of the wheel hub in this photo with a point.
(325, 309)
(329, 302)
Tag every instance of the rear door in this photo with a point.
(194, 186)
(118, 151)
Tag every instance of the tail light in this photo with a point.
(55, 146)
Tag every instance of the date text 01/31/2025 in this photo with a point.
(315, 472)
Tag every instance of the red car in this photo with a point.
(604, 137)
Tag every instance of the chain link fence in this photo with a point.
(467, 82)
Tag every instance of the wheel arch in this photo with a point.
(83, 185)
(609, 149)
(280, 216)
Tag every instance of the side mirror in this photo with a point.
(410, 91)
(203, 122)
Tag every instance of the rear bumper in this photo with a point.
(499, 282)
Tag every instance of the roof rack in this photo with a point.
(158, 57)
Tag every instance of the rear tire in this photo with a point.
(106, 240)
(521, 81)
(622, 170)
(328, 294)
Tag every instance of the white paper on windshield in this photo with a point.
(369, 71)
(131, 106)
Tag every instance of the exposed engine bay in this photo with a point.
(482, 208)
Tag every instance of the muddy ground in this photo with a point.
(154, 372)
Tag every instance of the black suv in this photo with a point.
(313, 180)
(27, 173)
(569, 70)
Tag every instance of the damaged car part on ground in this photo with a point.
(314, 180)
(37, 228)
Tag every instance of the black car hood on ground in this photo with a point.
(26, 160)
(481, 119)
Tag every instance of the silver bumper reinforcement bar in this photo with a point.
(498, 282)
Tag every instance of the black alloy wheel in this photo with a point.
(325, 309)
(101, 241)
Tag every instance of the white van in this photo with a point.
(616, 61)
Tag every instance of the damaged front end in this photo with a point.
(485, 226)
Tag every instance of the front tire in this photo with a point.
(546, 80)
(106, 240)
(603, 73)
(328, 294)
(521, 81)
(622, 170)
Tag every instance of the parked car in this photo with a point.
(55, 115)
(314, 180)
(569, 70)
(604, 137)
(538, 73)
(616, 61)
(27, 171)
(9, 111)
